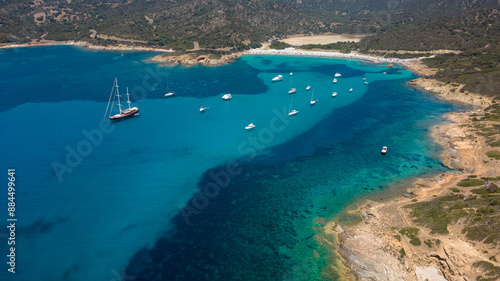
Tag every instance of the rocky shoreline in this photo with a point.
(372, 249)
(194, 59)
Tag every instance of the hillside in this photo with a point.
(211, 23)
(475, 36)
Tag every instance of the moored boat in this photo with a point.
(277, 78)
(334, 94)
(334, 80)
(338, 75)
(313, 101)
(227, 97)
(384, 150)
(308, 88)
(250, 126)
(123, 114)
(203, 108)
(292, 91)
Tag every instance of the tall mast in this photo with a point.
(109, 101)
(128, 99)
(118, 95)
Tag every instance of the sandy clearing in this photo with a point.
(322, 39)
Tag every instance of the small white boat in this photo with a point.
(384, 150)
(203, 108)
(227, 97)
(250, 126)
(366, 83)
(334, 94)
(384, 72)
(277, 78)
(364, 78)
(334, 80)
(169, 94)
(338, 75)
(291, 73)
(290, 111)
(292, 91)
(350, 90)
(308, 88)
(313, 101)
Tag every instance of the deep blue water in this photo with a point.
(178, 195)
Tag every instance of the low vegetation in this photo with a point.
(470, 182)
(478, 209)
(490, 271)
(278, 45)
(412, 233)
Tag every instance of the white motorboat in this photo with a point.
(227, 97)
(334, 80)
(338, 75)
(350, 90)
(384, 150)
(364, 78)
(203, 108)
(169, 94)
(334, 94)
(366, 83)
(292, 91)
(308, 88)
(250, 126)
(277, 78)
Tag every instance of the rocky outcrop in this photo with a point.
(193, 59)
(451, 92)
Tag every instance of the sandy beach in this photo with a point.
(84, 44)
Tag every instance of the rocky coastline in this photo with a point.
(374, 249)
(192, 59)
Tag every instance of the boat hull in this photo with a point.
(125, 114)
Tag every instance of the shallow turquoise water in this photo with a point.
(123, 204)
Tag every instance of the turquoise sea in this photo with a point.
(175, 194)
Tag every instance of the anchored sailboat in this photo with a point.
(290, 111)
(129, 112)
(292, 90)
(313, 101)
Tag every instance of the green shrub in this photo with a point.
(470, 182)
(493, 154)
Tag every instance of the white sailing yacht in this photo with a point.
(292, 90)
(290, 111)
(169, 93)
(129, 112)
(313, 101)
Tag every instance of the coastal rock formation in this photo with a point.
(451, 91)
(377, 249)
(194, 59)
